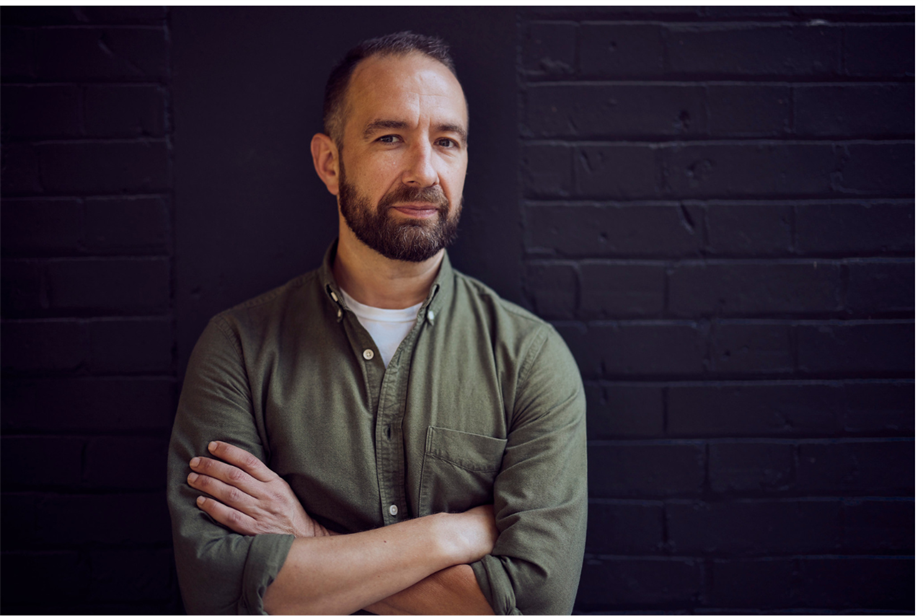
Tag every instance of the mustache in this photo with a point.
(430, 194)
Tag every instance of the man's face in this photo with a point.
(403, 156)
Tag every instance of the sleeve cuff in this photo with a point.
(495, 584)
(265, 558)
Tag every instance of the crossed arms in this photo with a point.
(416, 566)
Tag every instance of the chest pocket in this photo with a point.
(458, 470)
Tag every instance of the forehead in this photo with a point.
(410, 87)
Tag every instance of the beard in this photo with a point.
(402, 240)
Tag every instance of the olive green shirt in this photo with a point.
(482, 403)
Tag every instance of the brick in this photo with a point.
(625, 528)
(622, 470)
(621, 50)
(885, 409)
(127, 463)
(878, 170)
(17, 52)
(41, 15)
(129, 285)
(152, 15)
(118, 167)
(24, 288)
(617, 172)
(131, 575)
(20, 169)
(110, 519)
(855, 467)
(47, 346)
(748, 110)
(615, 111)
(750, 170)
(18, 521)
(748, 467)
(757, 348)
(64, 405)
(750, 230)
(619, 411)
(136, 54)
(879, 50)
(551, 289)
(754, 289)
(549, 49)
(41, 462)
(546, 171)
(879, 526)
(880, 288)
(756, 409)
(632, 583)
(664, 349)
(621, 289)
(126, 346)
(40, 111)
(30, 577)
(136, 225)
(849, 13)
(751, 50)
(856, 348)
(125, 111)
(42, 226)
(754, 584)
(854, 111)
(858, 582)
(760, 527)
(616, 230)
(854, 229)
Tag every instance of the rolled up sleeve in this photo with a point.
(540, 494)
(219, 571)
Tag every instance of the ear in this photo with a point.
(326, 162)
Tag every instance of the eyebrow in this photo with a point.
(376, 125)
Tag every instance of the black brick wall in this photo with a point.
(718, 210)
(715, 210)
(88, 345)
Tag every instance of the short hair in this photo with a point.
(397, 44)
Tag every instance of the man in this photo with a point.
(384, 432)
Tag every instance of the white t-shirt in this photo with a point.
(387, 327)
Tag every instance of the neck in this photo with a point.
(375, 280)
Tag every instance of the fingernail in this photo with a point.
(193, 477)
(200, 500)
(194, 462)
(212, 446)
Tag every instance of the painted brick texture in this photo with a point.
(718, 218)
(717, 213)
(88, 344)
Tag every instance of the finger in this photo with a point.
(242, 459)
(229, 495)
(232, 518)
(228, 474)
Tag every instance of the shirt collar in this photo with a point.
(438, 295)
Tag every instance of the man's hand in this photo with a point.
(251, 498)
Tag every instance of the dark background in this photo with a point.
(713, 206)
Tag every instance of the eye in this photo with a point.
(388, 139)
(445, 142)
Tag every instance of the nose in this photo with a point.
(419, 171)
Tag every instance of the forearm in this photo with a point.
(453, 590)
(341, 574)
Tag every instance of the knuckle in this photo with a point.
(236, 475)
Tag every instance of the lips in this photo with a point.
(417, 211)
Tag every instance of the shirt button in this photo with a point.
(339, 313)
(368, 353)
(334, 296)
(431, 316)
(392, 509)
